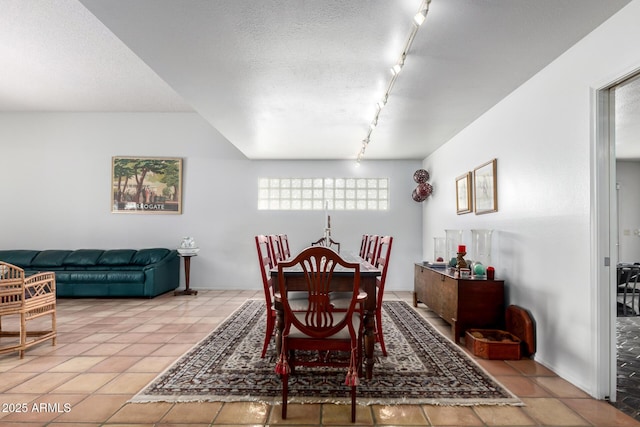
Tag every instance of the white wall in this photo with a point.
(628, 177)
(541, 136)
(55, 171)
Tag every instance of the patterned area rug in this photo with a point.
(422, 367)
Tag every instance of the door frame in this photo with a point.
(604, 233)
(603, 248)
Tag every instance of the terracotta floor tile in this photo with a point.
(552, 412)
(599, 413)
(115, 364)
(138, 413)
(530, 367)
(523, 386)
(127, 383)
(497, 367)
(127, 338)
(95, 408)
(560, 388)
(78, 364)
(157, 337)
(340, 415)
(155, 364)
(71, 349)
(297, 414)
(12, 379)
(172, 350)
(190, 413)
(85, 383)
(43, 383)
(243, 413)
(41, 364)
(503, 416)
(98, 338)
(106, 349)
(139, 349)
(452, 416)
(399, 415)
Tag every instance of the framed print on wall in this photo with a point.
(147, 185)
(463, 194)
(485, 191)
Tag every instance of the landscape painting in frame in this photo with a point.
(146, 185)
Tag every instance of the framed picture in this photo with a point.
(485, 190)
(146, 185)
(463, 194)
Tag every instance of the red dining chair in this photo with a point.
(364, 246)
(318, 327)
(276, 249)
(384, 253)
(372, 249)
(264, 256)
(283, 239)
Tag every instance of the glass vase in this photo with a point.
(440, 249)
(453, 239)
(481, 246)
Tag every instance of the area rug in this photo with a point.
(422, 367)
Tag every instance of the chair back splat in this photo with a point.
(275, 248)
(372, 249)
(283, 239)
(319, 327)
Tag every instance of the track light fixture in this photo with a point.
(418, 19)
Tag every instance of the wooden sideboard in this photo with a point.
(463, 303)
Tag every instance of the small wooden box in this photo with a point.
(493, 344)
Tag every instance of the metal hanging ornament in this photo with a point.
(421, 176)
(424, 189)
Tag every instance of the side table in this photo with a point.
(187, 268)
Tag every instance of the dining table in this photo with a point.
(342, 280)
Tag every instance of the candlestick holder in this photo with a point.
(461, 262)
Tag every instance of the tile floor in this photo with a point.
(628, 372)
(108, 350)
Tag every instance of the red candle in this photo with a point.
(491, 273)
(462, 248)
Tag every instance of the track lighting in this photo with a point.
(418, 19)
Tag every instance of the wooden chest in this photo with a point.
(493, 344)
(516, 342)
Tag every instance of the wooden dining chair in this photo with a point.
(317, 327)
(382, 263)
(275, 249)
(283, 239)
(364, 246)
(372, 249)
(264, 257)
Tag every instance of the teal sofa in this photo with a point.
(103, 273)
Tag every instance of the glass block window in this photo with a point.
(315, 193)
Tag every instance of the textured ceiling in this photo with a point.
(287, 79)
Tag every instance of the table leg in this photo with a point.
(187, 268)
(369, 342)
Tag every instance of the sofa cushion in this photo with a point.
(20, 257)
(50, 258)
(116, 257)
(149, 256)
(83, 257)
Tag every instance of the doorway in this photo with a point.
(618, 167)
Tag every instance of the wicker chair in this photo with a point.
(26, 300)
